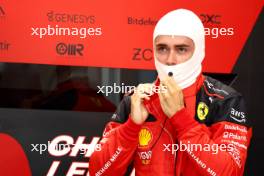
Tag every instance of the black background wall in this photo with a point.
(250, 82)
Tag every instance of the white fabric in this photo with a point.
(182, 22)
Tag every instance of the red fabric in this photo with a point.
(183, 128)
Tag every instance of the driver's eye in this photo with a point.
(162, 49)
(182, 50)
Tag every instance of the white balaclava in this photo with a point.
(182, 22)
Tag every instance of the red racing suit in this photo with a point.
(212, 130)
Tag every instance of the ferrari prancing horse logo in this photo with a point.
(202, 111)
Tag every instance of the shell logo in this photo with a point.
(144, 137)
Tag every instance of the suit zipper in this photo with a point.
(175, 155)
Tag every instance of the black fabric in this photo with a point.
(223, 102)
(231, 107)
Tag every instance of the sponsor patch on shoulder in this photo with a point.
(237, 116)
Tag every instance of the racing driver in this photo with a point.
(176, 130)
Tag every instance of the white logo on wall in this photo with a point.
(237, 115)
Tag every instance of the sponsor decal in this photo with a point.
(64, 17)
(238, 116)
(65, 146)
(145, 136)
(235, 143)
(214, 27)
(69, 49)
(210, 18)
(201, 163)
(235, 153)
(211, 86)
(109, 162)
(202, 111)
(229, 135)
(145, 157)
(211, 99)
(141, 21)
(4, 46)
(236, 128)
(142, 54)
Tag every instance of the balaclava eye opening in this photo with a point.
(182, 22)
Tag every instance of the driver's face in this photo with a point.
(171, 50)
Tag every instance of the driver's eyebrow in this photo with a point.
(181, 46)
(161, 45)
(177, 45)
